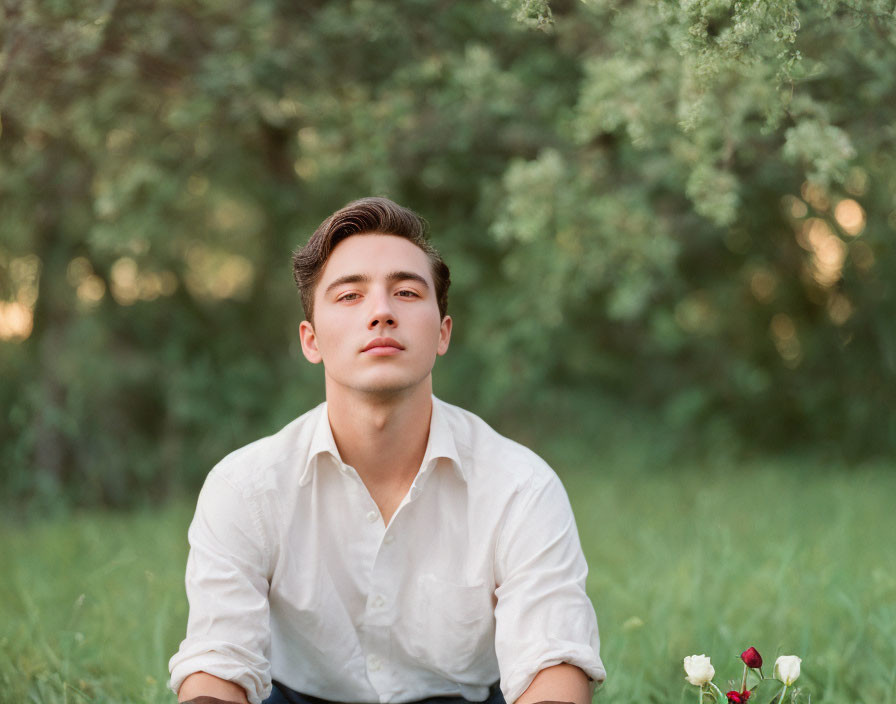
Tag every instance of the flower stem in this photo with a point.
(722, 698)
(743, 682)
(701, 694)
(781, 698)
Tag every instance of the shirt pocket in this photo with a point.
(452, 626)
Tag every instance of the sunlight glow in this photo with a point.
(763, 284)
(89, 287)
(850, 216)
(795, 207)
(124, 281)
(217, 274)
(840, 308)
(785, 338)
(17, 315)
(16, 321)
(857, 181)
(129, 284)
(828, 251)
(815, 195)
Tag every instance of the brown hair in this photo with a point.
(365, 216)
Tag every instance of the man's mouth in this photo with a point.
(383, 346)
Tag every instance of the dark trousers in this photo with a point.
(281, 694)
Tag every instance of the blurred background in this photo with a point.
(670, 226)
(664, 220)
(667, 222)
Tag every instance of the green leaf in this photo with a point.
(766, 691)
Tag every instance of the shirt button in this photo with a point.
(378, 602)
(373, 663)
(372, 516)
(389, 539)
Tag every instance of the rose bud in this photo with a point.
(787, 668)
(751, 658)
(735, 697)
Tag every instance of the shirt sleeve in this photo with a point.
(543, 616)
(228, 631)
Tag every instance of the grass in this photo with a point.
(92, 607)
(788, 555)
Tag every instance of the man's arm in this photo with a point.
(201, 684)
(560, 683)
(543, 615)
(228, 632)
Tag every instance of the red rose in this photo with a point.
(751, 658)
(735, 697)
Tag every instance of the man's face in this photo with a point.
(376, 324)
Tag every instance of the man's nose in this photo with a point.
(381, 312)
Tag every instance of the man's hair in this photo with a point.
(365, 216)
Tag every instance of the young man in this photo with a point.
(385, 546)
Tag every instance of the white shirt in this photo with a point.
(292, 574)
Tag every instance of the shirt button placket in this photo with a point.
(379, 673)
(377, 640)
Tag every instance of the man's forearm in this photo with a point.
(203, 688)
(562, 683)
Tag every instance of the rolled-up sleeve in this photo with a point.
(228, 631)
(543, 616)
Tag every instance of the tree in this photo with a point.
(683, 204)
(715, 230)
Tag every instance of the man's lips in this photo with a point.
(383, 346)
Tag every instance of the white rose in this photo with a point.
(787, 668)
(699, 669)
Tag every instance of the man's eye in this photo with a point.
(348, 297)
(408, 294)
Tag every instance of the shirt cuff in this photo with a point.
(225, 660)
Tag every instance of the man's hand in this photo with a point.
(560, 683)
(203, 688)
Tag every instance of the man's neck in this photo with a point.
(383, 437)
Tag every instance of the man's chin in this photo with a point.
(387, 390)
(390, 388)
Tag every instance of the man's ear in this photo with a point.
(444, 335)
(309, 343)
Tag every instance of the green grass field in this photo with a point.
(791, 556)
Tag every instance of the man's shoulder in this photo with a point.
(489, 456)
(260, 462)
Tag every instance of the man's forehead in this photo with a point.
(375, 255)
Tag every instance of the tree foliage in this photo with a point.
(681, 204)
(719, 217)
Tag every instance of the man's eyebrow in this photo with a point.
(392, 277)
(406, 276)
(348, 279)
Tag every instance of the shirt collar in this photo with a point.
(322, 442)
(440, 444)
